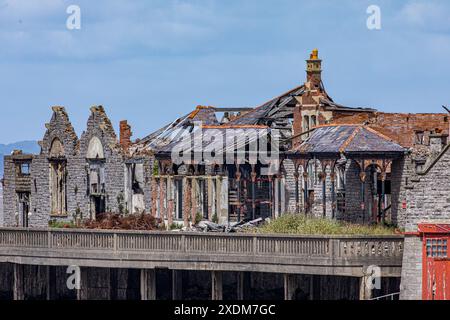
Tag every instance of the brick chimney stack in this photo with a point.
(125, 135)
(313, 71)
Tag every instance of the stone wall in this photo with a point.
(9, 196)
(411, 283)
(425, 196)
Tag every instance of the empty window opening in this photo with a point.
(58, 187)
(135, 187)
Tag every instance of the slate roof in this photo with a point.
(347, 139)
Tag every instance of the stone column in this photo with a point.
(290, 285)
(18, 285)
(253, 177)
(216, 285)
(305, 192)
(177, 285)
(238, 184)
(193, 199)
(210, 198)
(297, 190)
(154, 192)
(323, 179)
(333, 194)
(51, 283)
(186, 201)
(148, 284)
(170, 197)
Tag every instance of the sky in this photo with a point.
(150, 61)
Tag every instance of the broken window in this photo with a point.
(58, 178)
(96, 178)
(25, 169)
(96, 186)
(179, 198)
(419, 137)
(58, 187)
(313, 121)
(95, 149)
(306, 125)
(134, 190)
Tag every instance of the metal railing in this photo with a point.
(390, 296)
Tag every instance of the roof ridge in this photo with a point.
(350, 139)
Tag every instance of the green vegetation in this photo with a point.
(198, 218)
(297, 224)
(61, 224)
(175, 226)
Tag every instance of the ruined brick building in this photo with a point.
(353, 164)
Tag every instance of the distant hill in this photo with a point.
(25, 146)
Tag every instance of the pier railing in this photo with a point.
(216, 247)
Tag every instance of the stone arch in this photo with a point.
(57, 149)
(95, 149)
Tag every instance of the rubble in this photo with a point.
(243, 226)
(130, 222)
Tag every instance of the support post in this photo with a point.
(216, 285)
(113, 284)
(333, 194)
(18, 285)
(170, 196)
(51, 283)
(362, 177)
(383, 191)
(238, 184)
(148, 284)
(290, 285)
(177, 285)
(297, 190)
(240, 285)
(305, 195)
(323, 178)
(253, 175)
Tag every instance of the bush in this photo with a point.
(198, 218)
(296, 224)
(61, 224)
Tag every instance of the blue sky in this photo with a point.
(151, 61)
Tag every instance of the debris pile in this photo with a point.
(243, 226)
(130, 222)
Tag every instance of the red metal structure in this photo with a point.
(435, 261)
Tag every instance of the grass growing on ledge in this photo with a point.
(298, 224)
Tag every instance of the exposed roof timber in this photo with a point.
(225, 109)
